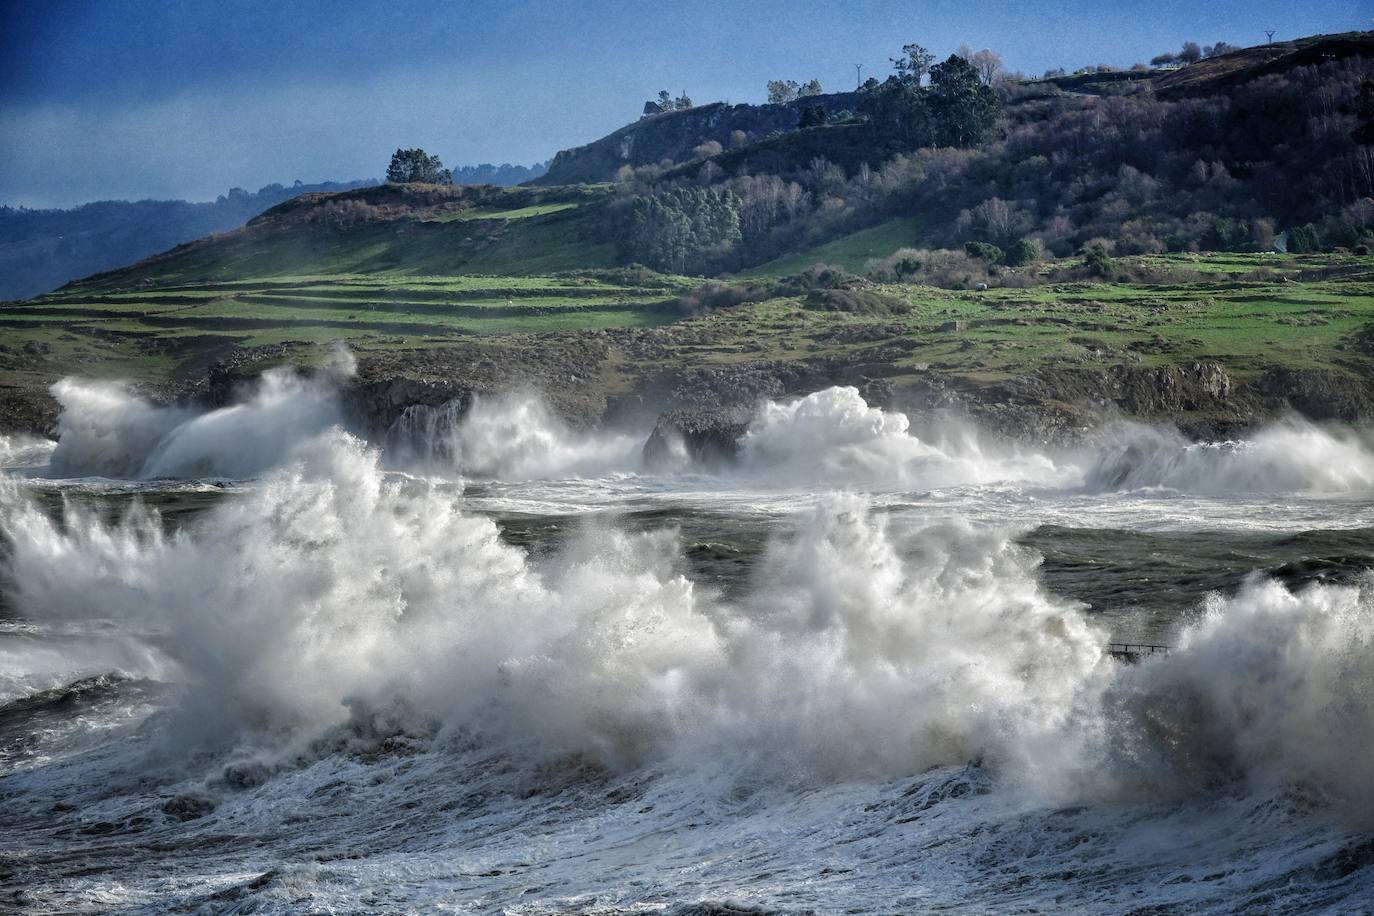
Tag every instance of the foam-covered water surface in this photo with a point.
(251, 662)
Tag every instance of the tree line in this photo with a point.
(1023, 171)
(1192, 52)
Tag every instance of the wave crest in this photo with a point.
(1293, 456)
(105, 430)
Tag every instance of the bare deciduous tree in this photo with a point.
(988, 63)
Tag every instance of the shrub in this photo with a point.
(1098, 261)
(823, 276)
(983, 251)
(1304, 240)
(856, 301)
(1026, 251)
(943, 268)
(707, 150)
(713, 295)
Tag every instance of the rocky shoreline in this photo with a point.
(706, 407)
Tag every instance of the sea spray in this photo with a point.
(511, 436)
(106, 431)
(329, 586)
(1291, 456)
(831, 439)
(354, 663)
(1270, 686)
(330, 593)
(834, 438)
(22, 453)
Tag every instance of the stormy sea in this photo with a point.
(251, 662)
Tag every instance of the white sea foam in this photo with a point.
(513, 436)
(830, 439)
(1292, 456)
(859, 652)
(105, 430)
(834, 438)
(330, 585)
(1273, 686)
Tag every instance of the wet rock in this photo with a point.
(1319, 394)
(242, 776)
(374, 404)
(709, 437)
(188, 807)
(1152, 392)
(222, 378)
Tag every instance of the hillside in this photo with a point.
(394, 229)
(1218, 74)
(42, 249)
(1100, 246)
(673, 135)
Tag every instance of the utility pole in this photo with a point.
(858, 76)
(1270, 33)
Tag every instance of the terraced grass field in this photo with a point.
(996, 334)
(157, 333)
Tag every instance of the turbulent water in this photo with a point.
(250, 662)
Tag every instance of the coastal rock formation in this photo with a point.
(706, 436)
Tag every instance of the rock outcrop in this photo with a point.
(708, 437)
(373, 405)
(1320, 394)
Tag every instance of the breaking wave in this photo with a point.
(831, 439)
(332, 588)
(105, 430)
(350, 662)
(506, 437)
(19, 452)
(1293, 456)
(332, 594)
(834, 438)
(1271, 686)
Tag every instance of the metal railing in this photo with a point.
(1134, 650)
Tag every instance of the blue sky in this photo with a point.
(105, 99)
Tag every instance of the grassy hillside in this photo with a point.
(177, 330)
(42, 249)
(390, 230)
(850, 252)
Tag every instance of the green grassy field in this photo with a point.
(518, 213)
(177, 331)
(991, 334)
(851, 252)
